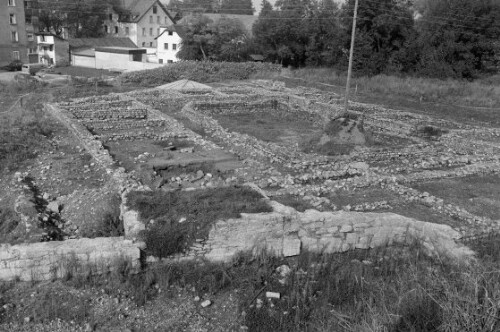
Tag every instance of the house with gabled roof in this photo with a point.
(169, 42)
(140, 20)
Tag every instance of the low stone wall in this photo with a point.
(286, 232)
(109, 114)
(50, 260)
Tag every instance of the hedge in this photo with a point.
(199, 71)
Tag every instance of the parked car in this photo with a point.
(33, 68)
(15, 65)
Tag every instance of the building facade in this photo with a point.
(52, 50)
(13, 37)
(141, 22)
(168, 43)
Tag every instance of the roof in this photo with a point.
(43, 33)
(121, 50)
(101, 42)
(139, 8)
(89, 52)
(180, 29)
(246, 20)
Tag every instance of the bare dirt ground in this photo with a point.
(449, 178)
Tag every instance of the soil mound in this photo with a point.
(343, 133)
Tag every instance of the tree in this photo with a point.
(82, 18)
(383, 27)
(298, 32)
(223, 40)
(198, 39)
(240, 7)
(457, 38)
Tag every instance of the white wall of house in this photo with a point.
(122, 62)
(46, 49)
(83, 61)
(168, 46)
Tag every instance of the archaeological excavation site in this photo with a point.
(187, 172)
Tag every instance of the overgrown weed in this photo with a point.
(181, 217)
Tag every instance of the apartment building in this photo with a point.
(13, 38)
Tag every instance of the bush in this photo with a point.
(200, 71)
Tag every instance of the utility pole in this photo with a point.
(351, 53)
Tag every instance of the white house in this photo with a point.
(52, 50)
(168, 43)
(140, 21)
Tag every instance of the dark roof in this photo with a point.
(101, 42)
(121, 50)
(180, 29)
(138, 8)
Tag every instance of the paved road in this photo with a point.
(8, 76)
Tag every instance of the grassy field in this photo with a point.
(388, 289)
(464, 101)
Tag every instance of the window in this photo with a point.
(160, 61)
(111, 17)
(170, 61)
(12, 18)
(165, 46)
(143, 31)
(30, 36)
(158, 31)
(127, 30)
(15, 55)
(158, 19)
(155, 9)
(143, 44)
(150, 44)
(12, 3)
(106, 29)
(174, 46)
(51, 48)
(150, 31)
(170, 33)
(13, 36)
(166, 20)
(31, 50)
(116, 29)
(151, 19)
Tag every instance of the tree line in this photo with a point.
(434, 38)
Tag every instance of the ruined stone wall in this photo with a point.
(286, 232)
(51, 260)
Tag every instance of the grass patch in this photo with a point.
(385, 289)
(294, 201)
(431, 96)
(476, 194)
(25, 129)
(182, 217)
(109, 223)
(269, 125)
